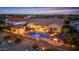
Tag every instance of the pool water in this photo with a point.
(39, 35)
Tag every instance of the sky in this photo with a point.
(39, 10)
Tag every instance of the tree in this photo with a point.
(70, 34)
(35, 46)
(73, 17)
(2, 28)
(66, 27)
(60, 16)
(7, 37)
(70, 38)
(2, 21)
(18, 39)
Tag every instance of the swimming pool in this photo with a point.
(39, 35)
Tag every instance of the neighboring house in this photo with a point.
(75, 24)
(16, 21)
(17, 24)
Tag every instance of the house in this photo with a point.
(17, 24)
(44, 24)
(16, 21)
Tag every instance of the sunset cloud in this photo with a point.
(38, 10)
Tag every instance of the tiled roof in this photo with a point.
(47, 21)
(17, 19)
